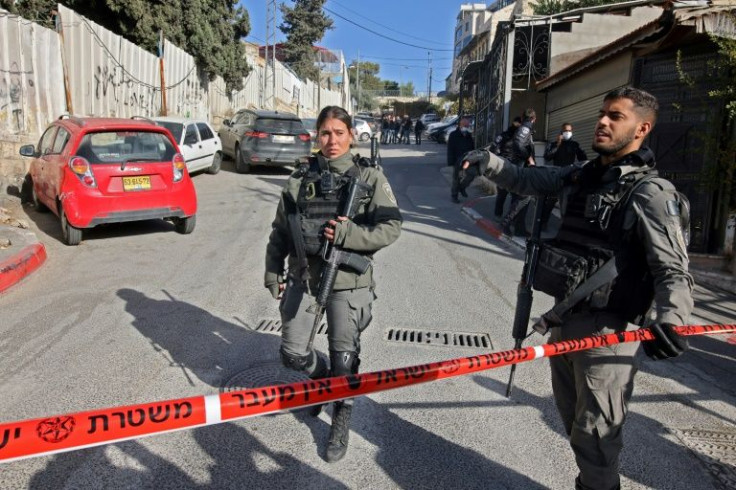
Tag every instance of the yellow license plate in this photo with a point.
(137, 183)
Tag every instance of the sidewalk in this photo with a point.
(20, 251)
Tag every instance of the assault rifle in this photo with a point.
(375, 155)
(335, 257)
(524, 290)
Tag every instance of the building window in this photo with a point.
(467, 26)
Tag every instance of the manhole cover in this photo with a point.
(439, 338)
(717, 450)
(264, 373)
(274, 326)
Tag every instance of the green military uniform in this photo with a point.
(376, 224)
(592, 388)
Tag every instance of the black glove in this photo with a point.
(666, 344)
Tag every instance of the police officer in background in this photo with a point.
(608, 214)
(503, 146)
(522, 145)
(460, 142)
(306, 217)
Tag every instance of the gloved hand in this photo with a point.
(666, 343)
(275, 288)
(488, 163)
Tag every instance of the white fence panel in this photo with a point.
(108, 75)
(185, 96)
(31, 81)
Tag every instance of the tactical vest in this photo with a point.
(592, 232)
(321, 197)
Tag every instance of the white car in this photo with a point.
(197, 141)
(363, 131)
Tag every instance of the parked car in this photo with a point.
(273, 138)
(91, 171)
(429, 118)
(310, 124)
(363, 131)
(434, 132)
(197, 141)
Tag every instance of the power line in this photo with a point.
(384, 26)
(383, 36)
(400, 59)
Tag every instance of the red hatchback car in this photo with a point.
(91, 171)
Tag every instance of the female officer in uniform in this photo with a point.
(308, 214)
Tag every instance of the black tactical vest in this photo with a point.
(592, 229)
(321, 198)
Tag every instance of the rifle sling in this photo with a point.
(606, 274)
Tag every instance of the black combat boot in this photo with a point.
(342, 364)
(339, 432)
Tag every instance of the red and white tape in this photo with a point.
(61, 433)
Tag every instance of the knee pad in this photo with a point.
(310, 364)
(343, 363)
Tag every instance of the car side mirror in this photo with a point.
(226, 122)
(27, 151)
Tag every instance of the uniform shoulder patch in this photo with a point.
(389, 192)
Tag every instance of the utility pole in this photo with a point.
(269, 77)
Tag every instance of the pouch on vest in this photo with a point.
(559, 272)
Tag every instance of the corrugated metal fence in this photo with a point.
(110, 76)
(31, 83)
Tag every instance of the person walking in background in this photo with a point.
(503, 146)
(418, 128)
(523, 156)
(406, 130)
(560, 153)
(459, 143)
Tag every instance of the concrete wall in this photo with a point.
(595, 31)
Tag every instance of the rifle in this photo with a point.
(524, 294)
(335, 257)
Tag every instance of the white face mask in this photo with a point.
(566, 135)
(464, 129)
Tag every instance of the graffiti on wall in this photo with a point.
(122, 88)
(15, 87)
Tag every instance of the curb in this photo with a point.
(486, 224)
(20, 265)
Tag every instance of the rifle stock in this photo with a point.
(524, 294)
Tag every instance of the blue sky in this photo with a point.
(428, 24)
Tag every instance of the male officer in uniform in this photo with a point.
(607, 216)
(308, 215)
(523, 156)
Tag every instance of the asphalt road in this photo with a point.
(138, 313)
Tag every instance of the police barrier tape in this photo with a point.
(50, 435)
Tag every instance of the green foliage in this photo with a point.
(209, 30)
(304, 25)
(549, 7)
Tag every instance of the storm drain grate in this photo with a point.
(274, 326)
(717, 450)
(439, 338)
(264, 373)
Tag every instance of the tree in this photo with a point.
(304, 25)
(209, 30)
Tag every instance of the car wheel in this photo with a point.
(185, 225)
(72, 235)
(241, 165)
(40, 207)
(365, 137)
(216, 164)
